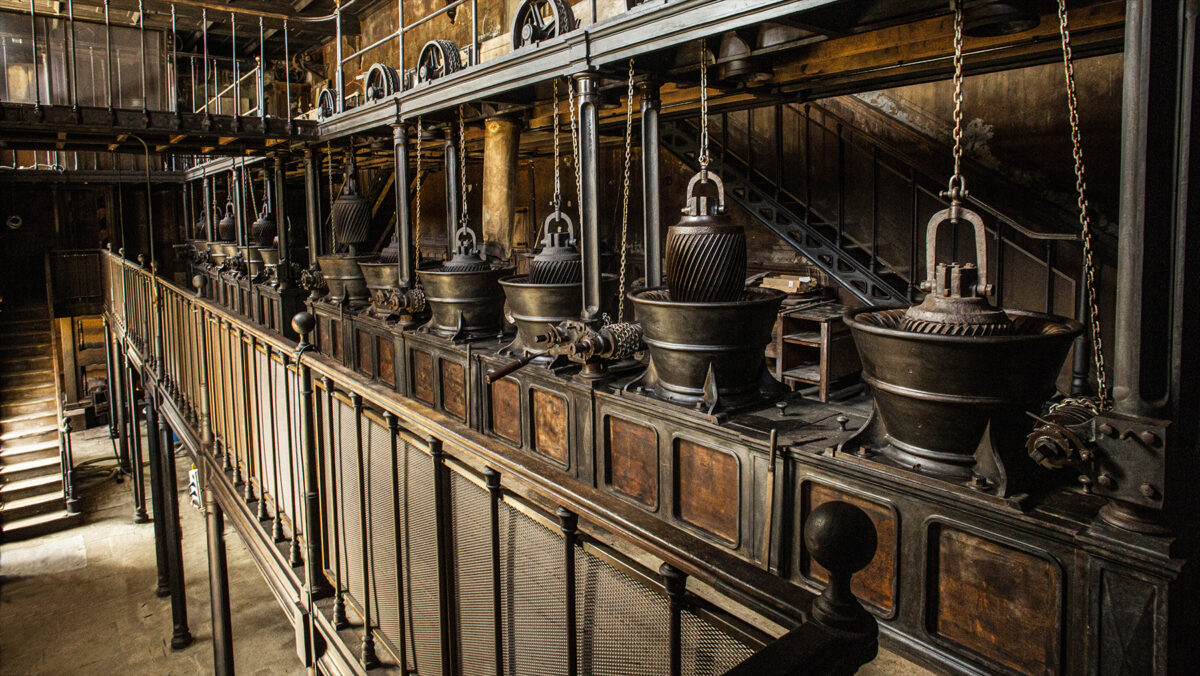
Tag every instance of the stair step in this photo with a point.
(10, 364)
(29, 469)
(48, 448)
(41, 524)
(26, 376)
(24, 492)
(28, 427)
(36, 405)
(20, 354)
(15, 393)
(10, 338)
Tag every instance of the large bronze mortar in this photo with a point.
(465, 305)
(536, 308)
(344, 278)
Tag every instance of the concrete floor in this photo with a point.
(82, 601)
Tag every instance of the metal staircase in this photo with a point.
(32, 497)
(847, 262)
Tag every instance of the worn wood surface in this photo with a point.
(875, 584)
(550, 426)
(633, 460)
(708, 489)
(422, 376)
(454, 396)
(506, 409)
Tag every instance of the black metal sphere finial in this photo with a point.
(198, 283)
(304, 323)
(841, 537)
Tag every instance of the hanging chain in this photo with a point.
(625, 194)
(250, 183)
(462, 169)
(1085, 221)
(957, 188)
(557, 201)
(417, 222)
(575, 152)
(703, 157)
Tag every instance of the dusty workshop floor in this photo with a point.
(82, 601)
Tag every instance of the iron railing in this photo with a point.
(438, 554)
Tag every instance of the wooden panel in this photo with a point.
(1000, 602)
(875, 584)
(335, 337)
(423, 376)
(707, 491)
(364, 353)
(323, 337)
(506, 409)
(387, 360)
(454, 397)
(633, 460)
(550, 426)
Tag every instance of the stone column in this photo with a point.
(502, 137)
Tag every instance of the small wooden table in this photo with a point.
(813, 346)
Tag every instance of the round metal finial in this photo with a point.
(304, 323)
(841, 537)
(198, 283)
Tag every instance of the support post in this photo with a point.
(676, 584)
(135, 447)
(181, 637)
(501, 138)
(589, 148)
(652, 199)
(454, 203)
(208, 209)
(318, 587)
(404, 224)
(218, 584)
(157, 499)
(283, 271)
(312, 203)
(122, 404)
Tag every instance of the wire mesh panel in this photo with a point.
(707, 650)
(283, 440)
(622, 625)
(270, 468)
(532, 596)
(350, 495)
(419, 562)
(471, 510)
(295, 452)
(326, 424)
(381, 497)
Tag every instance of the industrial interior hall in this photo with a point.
(629, 337)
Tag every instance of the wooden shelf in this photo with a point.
(812, 338)
(813, 346)
(809, 373)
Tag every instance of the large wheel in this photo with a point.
(382, 82)
(538, 20)
(439, 58)
(326, 103)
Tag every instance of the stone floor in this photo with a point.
(82, 601)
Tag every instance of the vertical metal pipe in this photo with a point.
(71, 54)
(312, 203)
(441, 499)
(157, 499)
(367, 655)
(404, 225)
(204, 31)
(589, 148)
(569, 523)
(287, 79)
(284, 270)
(474, 33)
(400, 43)
(237, 80)
(652, 196)
(492, 478)
(181, 636)
(676, 584)
(294, 558)
(123, 409)
(235, 195)
(335, 516)
(108, 72)
(218, 585)
(37, 87)
(454, 203)
(260, 62)
(318, 587)
(135, 433)
(108, 373)
(208, 208)
(173, 66)
(142, 50)
(338, 85)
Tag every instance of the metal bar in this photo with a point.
(492, 478)
(1081, 363)
(259, 63)
(589, 147)
(276, 518)
(371, 46)
(204, 30)
(404, 224)
(445, 569)
(454, 203)
(287, 79)
(474, 57)
(74, 66)
(37, 87)
(569, 523)
(676, 585)
(367, 654)
(339, 601)
(218, 584)
(283, 270)
(237, 83)
(398, 523)
(173, 66)
(247, 388)
(294, 558)
(338, 84)
(914, 224)
(108, 59)
(139, 485)
(651, 184)
(181, 636)
(433, 15)
(875, 209)
(841, 187)
(312, 203)
(142, 50)
(808, 166)
(157, 499)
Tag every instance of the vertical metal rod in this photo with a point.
(474, 34)
(157, 499)
(807, 166)
(192, 82)
(135, 430)
(260, 62)
(875, 208)
(237, 80)
(492, 478)
(204, 31)
(338, 85)
(208, 208)
(914, 224)
(778, 138)
(181, 636)
(841, 185)
(294, 558)
(312, 203)
(336, 516)
(283, 270)
(569, 523)
(589, 148)
(108, 373)
(1049, 277)
(400, 43)
(142, 50)
(248, 439)
(287, 79)
(123, 408)
(676, 585)
(367, 655)
(454, 203)
(173, 66)
(74, 66)
(651, 185)
(404, 225)
(399, 514)
(445, 564)
(277, 518)
(37, 87)
(108, 72)
(218, 584)
(304, 323)
(261, 514)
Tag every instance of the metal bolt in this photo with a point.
(1086, 455)
(1105, 480)
(782, 406)
(1108, 430)
(1149, 491)
(841, 422)
(1085, 483)
(1149, 438)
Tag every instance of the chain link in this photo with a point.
(703, 157)
(463, 219)
(557, 201)
(957, 186)
(575, 153)
(1085, 220)
(417, 221)
(625, 194)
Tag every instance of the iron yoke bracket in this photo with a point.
(1129, 458)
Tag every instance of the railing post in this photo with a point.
(181, 636)
(312, 203)
(404, 224)
(157, 499)
(367, 654)
(283, 270)
(218, 584)
(651, 200)
(568, 521)
(294, 558)
(445, 561)
(108, 372)
(339, 602)
(492, 478)
(676, 585)
(67, 460)
(206, 435)
(135, 432)
(304, 323)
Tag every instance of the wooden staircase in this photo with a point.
(32, 500)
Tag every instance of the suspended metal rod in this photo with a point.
(142, 50)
